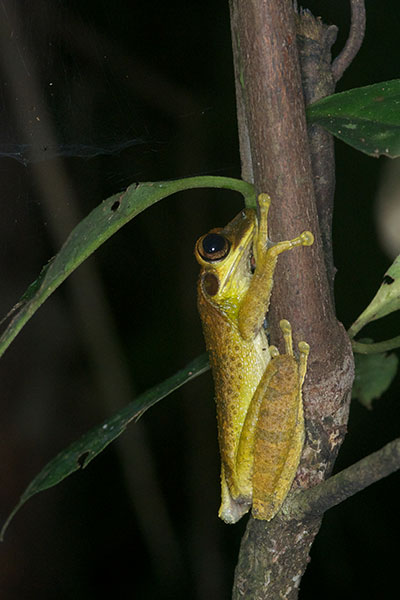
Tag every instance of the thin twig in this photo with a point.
(354, 41)
(372, 468)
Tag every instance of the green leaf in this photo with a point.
(366, 118)
(105, 220)
(385, 301)
(83, 451)
(374, 374)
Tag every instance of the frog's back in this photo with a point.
(237, 367)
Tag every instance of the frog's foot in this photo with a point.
(304, 349)
(304, 239)
(231, 510)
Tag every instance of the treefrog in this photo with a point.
(258, 398)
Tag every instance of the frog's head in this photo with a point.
(225, 257)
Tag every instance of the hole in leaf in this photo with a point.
(82, 459)
(387, 279)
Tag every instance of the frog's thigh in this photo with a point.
(269, 492)
(278, 447)
(245, 452)
(294, 454)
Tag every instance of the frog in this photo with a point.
(258, 391)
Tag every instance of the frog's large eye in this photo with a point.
(213, 246)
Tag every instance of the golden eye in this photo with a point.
(213, 246)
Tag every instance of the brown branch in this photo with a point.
(270, 83)
(314, 42)
(354, 41)
(372, 468)
(243, 129)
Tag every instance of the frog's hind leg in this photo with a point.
(266, 507)
(294, 454)
(280, 435)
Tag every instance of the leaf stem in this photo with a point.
(375, 348)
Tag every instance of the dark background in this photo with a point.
(95, 96)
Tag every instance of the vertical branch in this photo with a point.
(314, 42)
(274, 109)
(243, 129)
(274, 555)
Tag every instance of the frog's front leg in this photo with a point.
(256, 302)
(273, 432)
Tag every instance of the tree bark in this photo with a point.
(275, 151)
